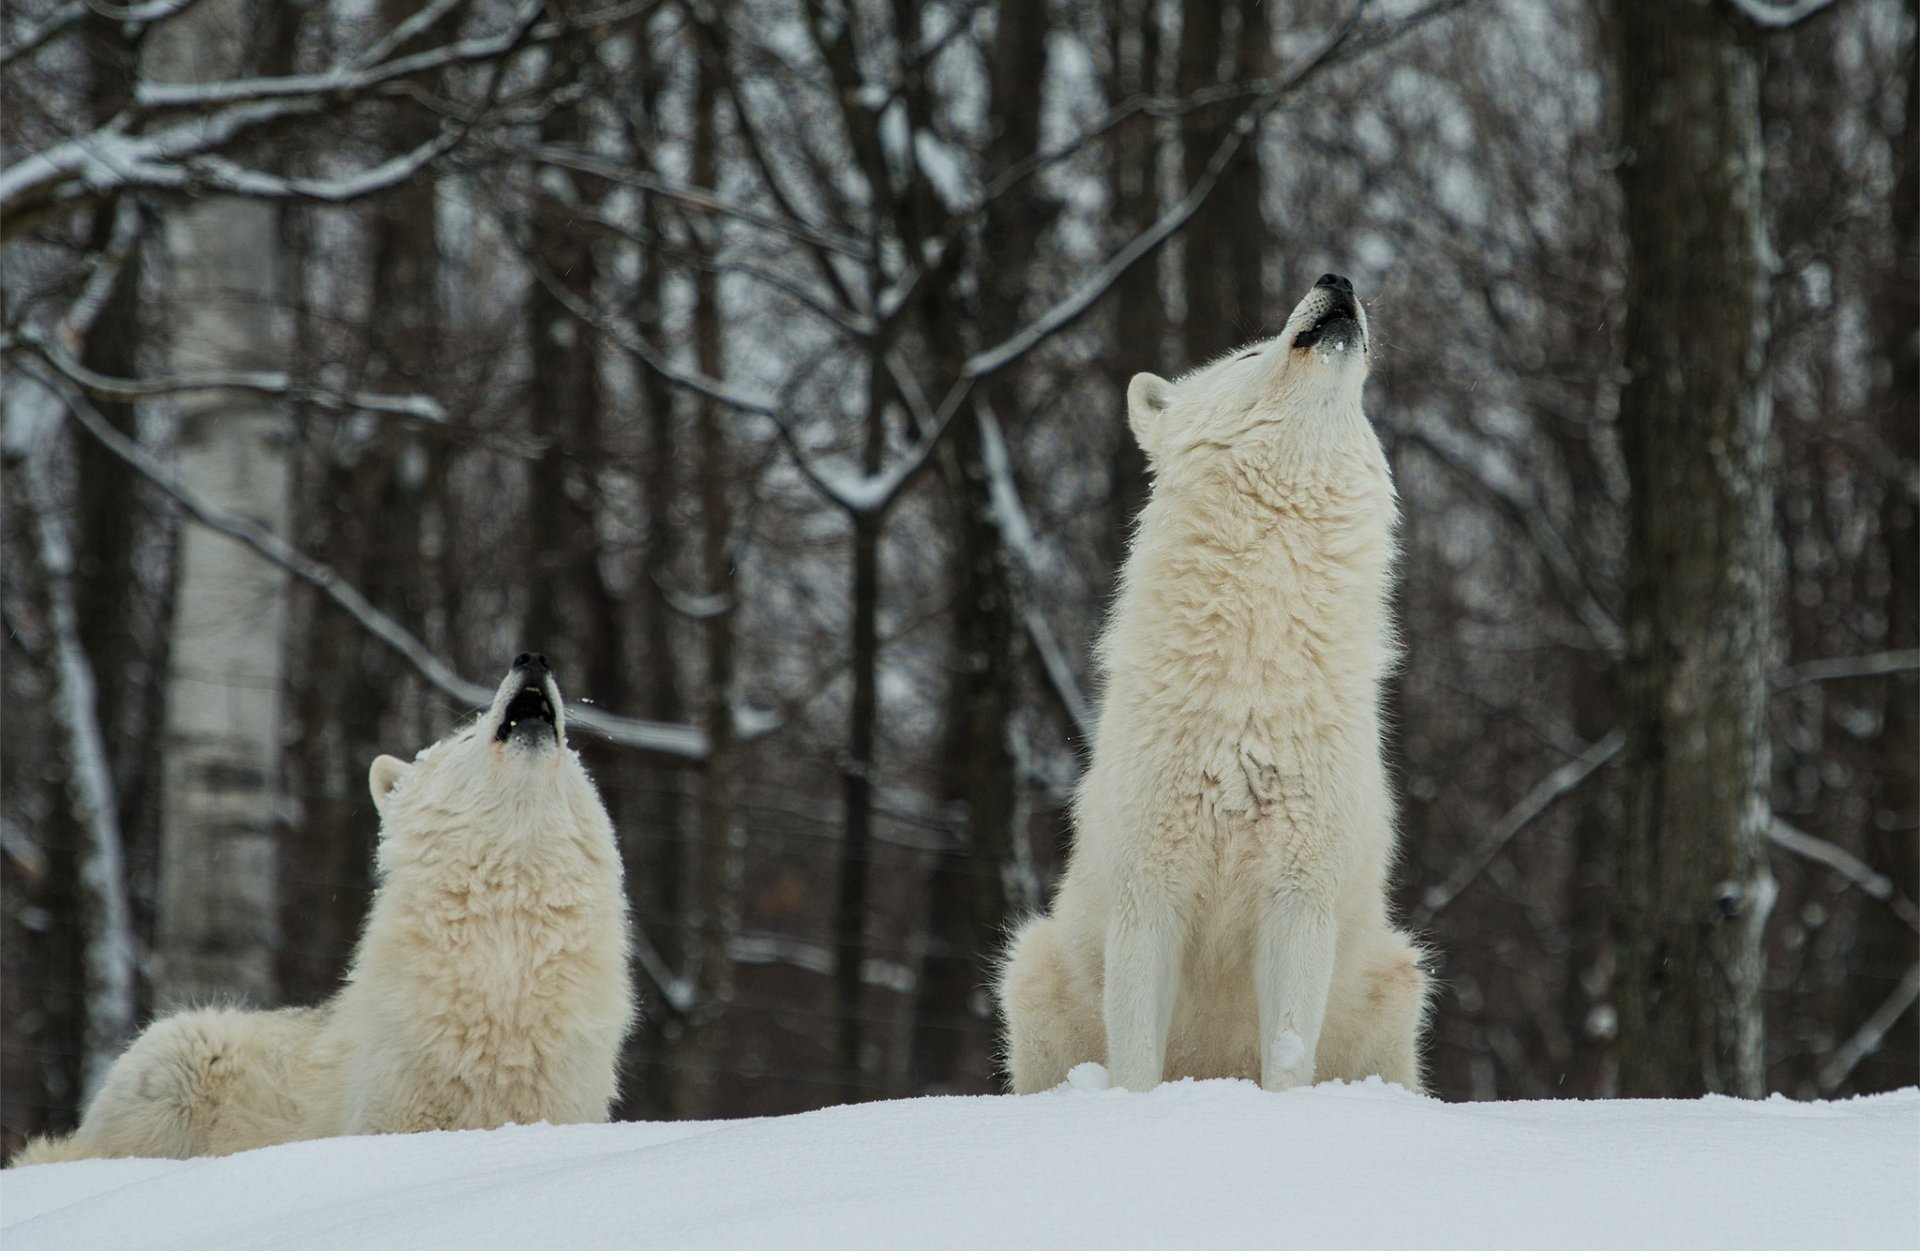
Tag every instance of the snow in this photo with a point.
(1187, 1165)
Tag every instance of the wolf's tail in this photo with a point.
(51, 1151)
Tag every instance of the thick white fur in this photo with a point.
(490, 985)
(1224, 912)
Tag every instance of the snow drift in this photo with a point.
(1189, 1165)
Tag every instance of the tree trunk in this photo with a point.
(1138, 309)
(100, 871)
(856, 785)
(1225, 243)
(1693, 887)
(657, 864)
(107, 606)
(1887, 947)
(218, 924)
(714, 917)
(987, 635)
(368, 511)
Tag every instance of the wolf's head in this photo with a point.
(508, 773)
(1296, 396)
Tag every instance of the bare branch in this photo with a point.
(681, 742)
(1834, 668)
(1537, 800)
(684, 193)
(1874, 884)
(128, 224)
(816, 958)
(1017, 537)
(1779, 16)
(1486, 467)
(422, 408)
(852, 493)
(1872, 1032)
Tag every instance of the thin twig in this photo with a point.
(1835, 668)
(1876, 885)
(1872, 1032)
(1541, 796)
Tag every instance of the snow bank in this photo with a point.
(1191, 1165)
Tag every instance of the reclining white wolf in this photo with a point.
(1224, 911)
(490, 986)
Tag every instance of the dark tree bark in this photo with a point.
(352, 693)
(1887, 949)
(989, 654)
(571, 610)
(1222, 40)
(856, 785)
(1693, 886)
(107, 605)
(1140, 321)
(714, 916)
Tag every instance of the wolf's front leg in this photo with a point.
(1144, 940)
(1292, 974)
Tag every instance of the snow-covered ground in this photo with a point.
(1190, 1165)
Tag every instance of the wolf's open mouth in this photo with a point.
(530, 704)
(1339, 319)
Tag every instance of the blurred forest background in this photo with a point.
(763, 364)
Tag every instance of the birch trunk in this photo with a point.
(217, 927)
(102, 876)
(1693, 887)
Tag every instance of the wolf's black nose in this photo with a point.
(1336, 282)
(531, 660)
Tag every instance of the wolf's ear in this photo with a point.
(1147, 398)
(384, 776)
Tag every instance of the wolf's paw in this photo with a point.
(1288, 1063)
(1088, 1078)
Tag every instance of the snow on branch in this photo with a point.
(217, 174)
(682, 742)
(68, 16)
(186, 154)
(853, 493)
(1018, 538)
(109, 159)
(1541, 796)
(357, 79)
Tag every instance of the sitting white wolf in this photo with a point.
(1224, 912)
(490, 986)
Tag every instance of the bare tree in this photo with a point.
(1693, 890)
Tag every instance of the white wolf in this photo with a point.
(491, 984)
(1224, 910)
